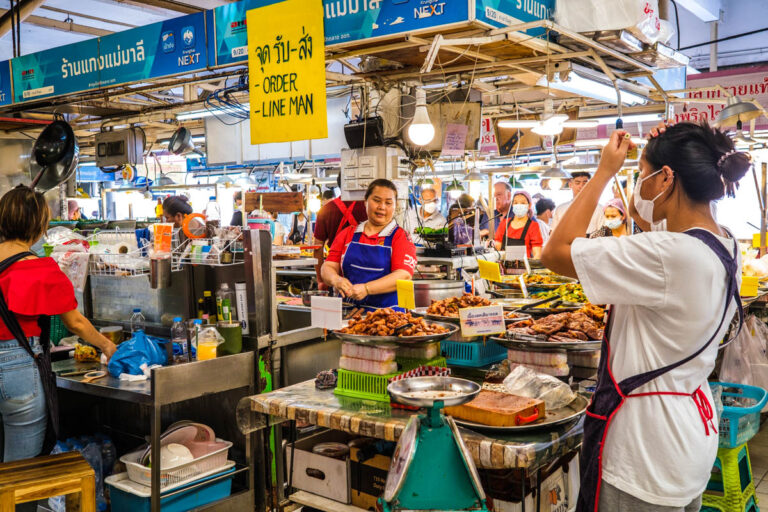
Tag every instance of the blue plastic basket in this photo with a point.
(739, 423)
(125, 501)
(473, 353)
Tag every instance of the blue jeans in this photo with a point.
(22, 402)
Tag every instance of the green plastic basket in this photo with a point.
(58, 329)
(366, 386)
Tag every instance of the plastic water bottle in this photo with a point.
(224, 294)
(108, 457)
(193, 342)
(212, 210)
(179, 337)
(92, 454)
(138, 323)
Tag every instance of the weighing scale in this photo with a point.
(432, 468)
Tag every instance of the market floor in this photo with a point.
(758, 455)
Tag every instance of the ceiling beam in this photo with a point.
(40, 21)
(705, 10)
(87, 16)
(171, 5)
(25, 9)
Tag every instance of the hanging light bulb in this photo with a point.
(420, 131)
(455, 189)
(555, 176)
(555, 184)
(427, 184)
(224, 180)
(313, 201)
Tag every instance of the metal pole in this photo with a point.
(764, 197)
(713, 46)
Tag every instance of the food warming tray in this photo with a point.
(403, 340)
(556, 417)
(526, 341)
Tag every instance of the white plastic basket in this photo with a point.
(169, 477)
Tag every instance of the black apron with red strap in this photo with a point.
(43, 360)
(610, 395)
(514, 242)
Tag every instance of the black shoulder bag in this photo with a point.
(43, 360)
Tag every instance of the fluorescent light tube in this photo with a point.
(577, 84)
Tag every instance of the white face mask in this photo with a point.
(644, 207)
(613, 223)
(430, 208)
(520, 210)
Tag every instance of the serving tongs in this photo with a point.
(556, 300)
(516, 336)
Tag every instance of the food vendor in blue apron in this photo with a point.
(366, 260)
(650, 434)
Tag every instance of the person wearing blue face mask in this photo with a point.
(521, 227)
(650, 434)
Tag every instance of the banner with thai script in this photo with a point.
(170, 47)
(230, 33)
(749, 84)
(286, 71)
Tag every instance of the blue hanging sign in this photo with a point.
(6, 91)
(170, 47)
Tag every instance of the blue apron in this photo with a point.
(363, 263)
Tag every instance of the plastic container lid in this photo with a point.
(177, 319)
(212, 198)
(197, 321)
(137, 310)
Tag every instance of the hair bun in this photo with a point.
(732, 166)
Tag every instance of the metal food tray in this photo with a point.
(455, 320)
(406, 391)
(524, 341)
(402, 340)
(545, 286)
(556, 417)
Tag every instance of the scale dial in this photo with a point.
(467, 456)
(402, 458)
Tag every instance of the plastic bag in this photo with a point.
(73, 261)
(745, 361)
(60, 235)
(639, 17)
(523, 381)
(137, 351)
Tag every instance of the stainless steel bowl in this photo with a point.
(425, 391)
(306, 297)
(427, 290)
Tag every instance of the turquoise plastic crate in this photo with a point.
(739, 424)
(473, 353)
(124, 501)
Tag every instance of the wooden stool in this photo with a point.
(27, 480)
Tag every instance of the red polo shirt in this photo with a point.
(403, 250)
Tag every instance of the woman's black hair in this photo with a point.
(703, 158)
(177, 204)
(24, 215)
(381, 182)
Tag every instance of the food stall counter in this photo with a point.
(457, 262)
(302, 402)
(107, 386)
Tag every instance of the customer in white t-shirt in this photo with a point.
(669, 293)
(577, 183)
(425, 216)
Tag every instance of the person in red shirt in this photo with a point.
(520, 228)
(31, 289)
(365, 261)
(334, 216)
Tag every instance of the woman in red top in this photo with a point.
(520, 228)
(32, 289)
(365, 261)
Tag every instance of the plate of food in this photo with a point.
(389, 326)
(580, 330)
(543, 281)
(571, 293)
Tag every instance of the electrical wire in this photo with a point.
(677, 22)
(736, 36)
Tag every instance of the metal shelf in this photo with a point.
(320, 503)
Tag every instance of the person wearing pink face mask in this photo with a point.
(650, 433)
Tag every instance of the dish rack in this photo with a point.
(169, 477)
(118, 253)
(212, 252)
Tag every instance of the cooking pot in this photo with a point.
(57, 152)
(427, 290)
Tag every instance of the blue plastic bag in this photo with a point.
(130, 355)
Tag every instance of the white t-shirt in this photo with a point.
(668, 294)
(595, 223)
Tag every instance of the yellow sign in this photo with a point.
(756, 240)
(489, 270)
(286, 72)
(405, 296)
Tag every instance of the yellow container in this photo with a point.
(756, 240)
(749, 286)
(206, 350)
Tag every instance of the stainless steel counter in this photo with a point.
(108, 387)
(456, 262)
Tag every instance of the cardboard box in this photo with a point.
(367, 478)
(318, 474)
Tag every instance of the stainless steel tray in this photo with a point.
(455, 320)
(542, 286)
(457, 391)
(557, 417)
(520, 341)
(402, 340)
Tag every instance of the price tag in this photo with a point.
(482, 321)
(523, 287)
(514, 252)
(326, 312)
(405, 297)
(489, 270)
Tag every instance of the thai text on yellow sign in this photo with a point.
(286, 72)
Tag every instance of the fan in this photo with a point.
(57, 152)
(550, 124)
